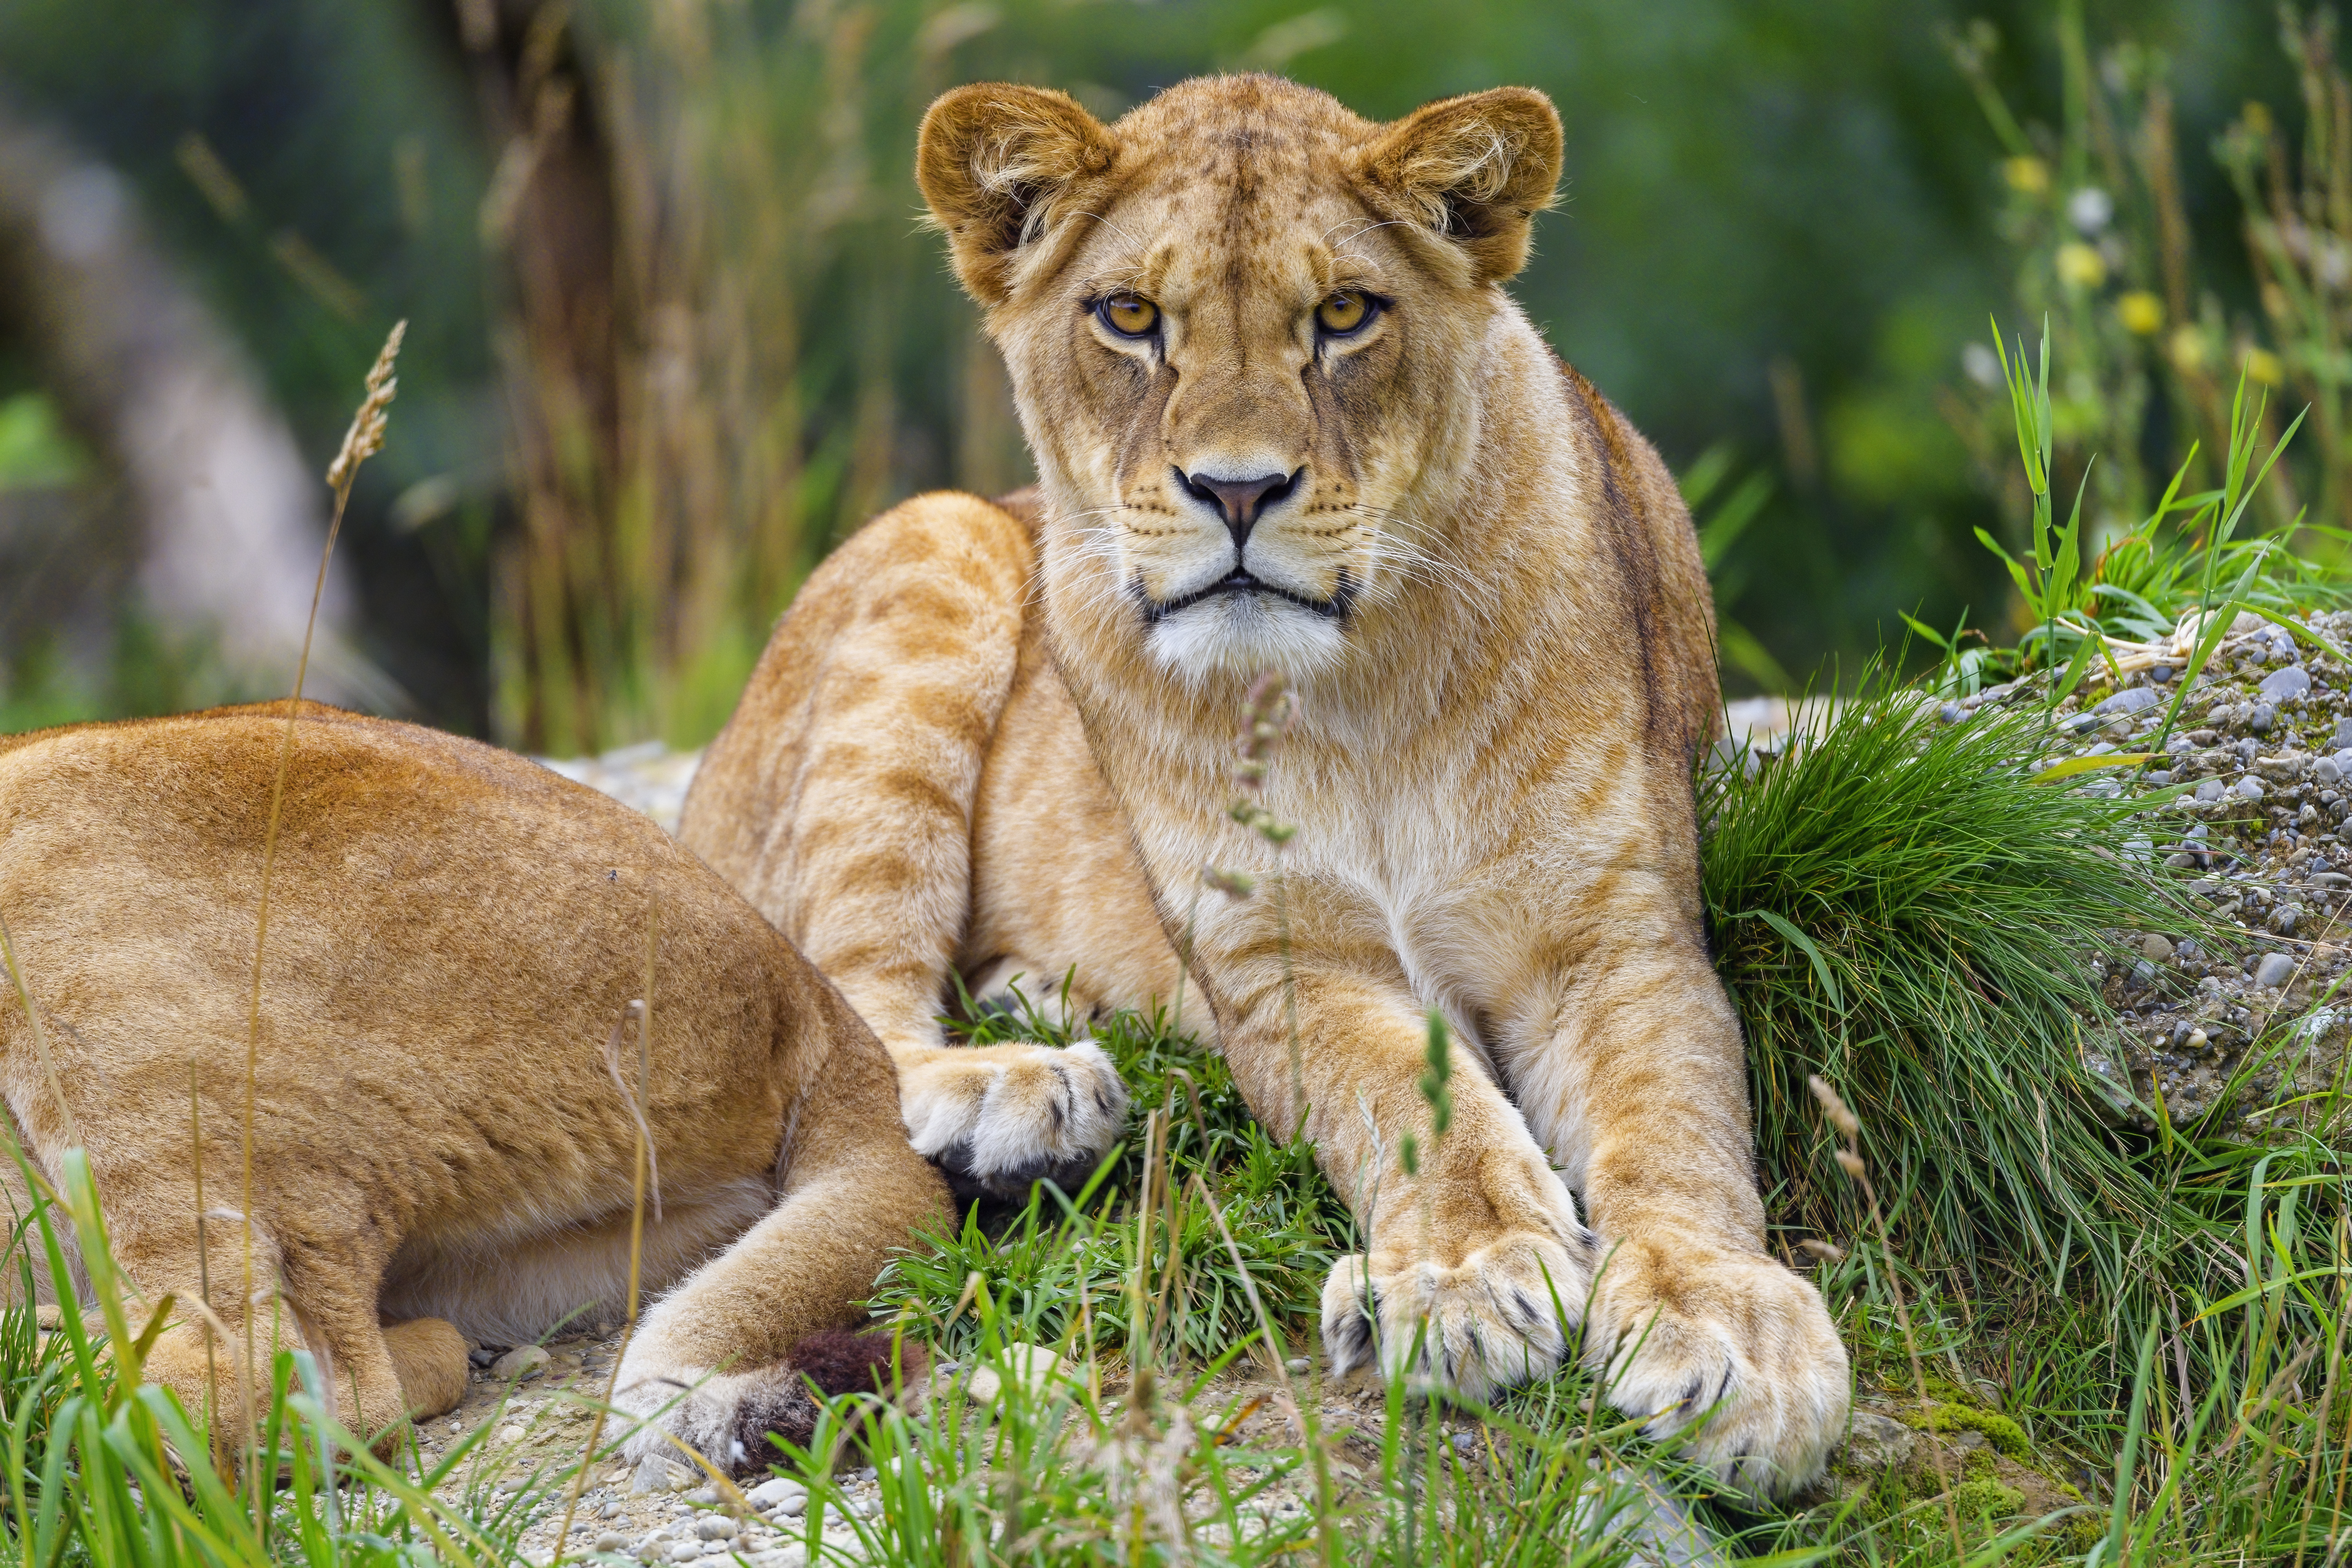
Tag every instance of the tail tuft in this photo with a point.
(839, 1362)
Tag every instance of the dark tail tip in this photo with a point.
(839, 1362)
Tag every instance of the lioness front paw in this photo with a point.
(1729, 1345)
(1498, 1318)
(998, 1118)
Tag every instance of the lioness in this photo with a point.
(458, 943)
(1285, 419)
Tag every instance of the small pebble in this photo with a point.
(2250, 788)
(611, 1540)
(714, 1527)
(1297, 1366)
(2208, 791)
(2158, 949)
(2273, 971)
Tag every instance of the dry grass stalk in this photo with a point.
(1848, 1158)
(364, 440)
(203, 1257)
(41, 1035)
(644, 1009)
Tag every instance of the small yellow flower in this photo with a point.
(2141, 312)
(2187, 350)
(2030, 176)
(2263, 366)
(2080, 266)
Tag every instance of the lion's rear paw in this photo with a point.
(998, 1118)
(734, 1419)
(1498, 1318)
(1730, 1348)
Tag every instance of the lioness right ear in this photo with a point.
(1474, 171)
(995, 162)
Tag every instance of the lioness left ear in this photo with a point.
(1473, 170)
(995, 162)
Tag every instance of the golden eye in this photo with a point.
(1343, 312)
(1129, 315)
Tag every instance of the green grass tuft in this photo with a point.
(1899, 906)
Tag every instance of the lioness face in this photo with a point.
(1242, 324)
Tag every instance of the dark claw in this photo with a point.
(1011, 1186)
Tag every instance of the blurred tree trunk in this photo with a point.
(210, 523)
(549, 215)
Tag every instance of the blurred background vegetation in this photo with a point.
(674, 329)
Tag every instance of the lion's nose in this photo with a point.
(1240, 502)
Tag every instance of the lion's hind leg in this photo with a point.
(428, 1358)
(726, 1359)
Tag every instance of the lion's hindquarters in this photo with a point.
(456, 941)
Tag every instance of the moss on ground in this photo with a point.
(2005, 1435)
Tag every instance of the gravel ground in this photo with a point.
(2255, 775)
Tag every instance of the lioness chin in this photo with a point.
(1285, 419)
(442, 1147)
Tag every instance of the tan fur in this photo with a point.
(1486, 593)
(454, 933)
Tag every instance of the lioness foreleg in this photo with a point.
(1641, 1093)
(1476, 1266)
(840, 800)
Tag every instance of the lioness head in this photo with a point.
(1243, 325)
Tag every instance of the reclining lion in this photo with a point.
(1285, 419)
(442, 1150)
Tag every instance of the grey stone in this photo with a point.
(2264, 716)
(715, 1527)
(2136, 699)
(1876, 1442)
(2210, 790)
(1633, 1511)
(2273, 970)
(523, 1361)
(2249, 788)
(2288, 680)
(2158, 949)
(2327, 770)
(658, 1474)
(775, 1489)
(1297, 1366)
(611, 1540)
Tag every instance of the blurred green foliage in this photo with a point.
(1780, 226)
